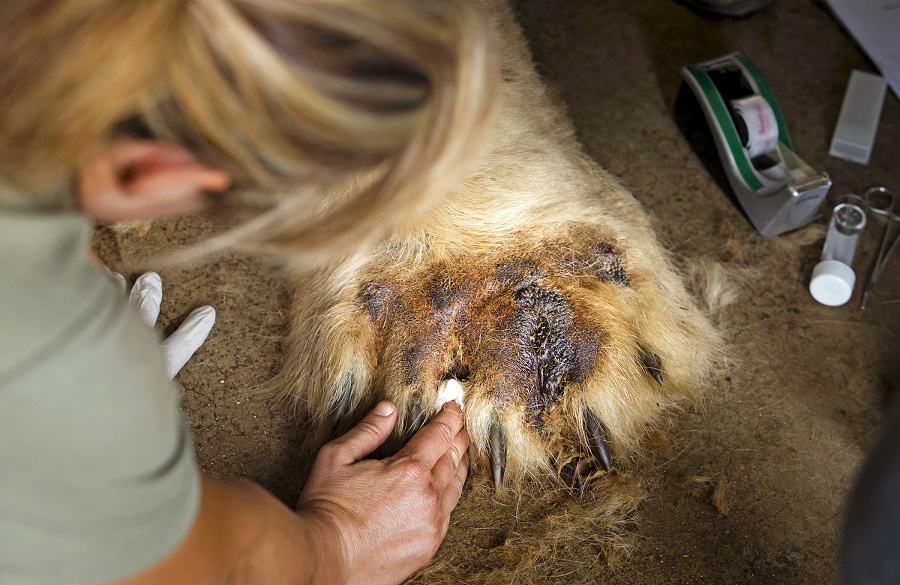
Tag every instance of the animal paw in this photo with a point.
(566, 347)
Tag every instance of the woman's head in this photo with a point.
(297, 97)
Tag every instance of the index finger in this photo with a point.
(434, 439)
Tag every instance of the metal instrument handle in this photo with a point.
(884, 252)
(873, 194)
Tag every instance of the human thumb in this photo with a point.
(370, 433)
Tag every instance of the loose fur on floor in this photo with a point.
(537, 283)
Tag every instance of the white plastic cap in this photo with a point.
(832, 283)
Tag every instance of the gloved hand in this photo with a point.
(177, 349)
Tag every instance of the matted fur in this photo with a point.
(441, 296)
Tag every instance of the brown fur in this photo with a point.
(537, 251)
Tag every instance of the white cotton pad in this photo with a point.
(450, 390)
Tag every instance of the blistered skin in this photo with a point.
(504, 327)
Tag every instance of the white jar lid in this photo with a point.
(832, 283)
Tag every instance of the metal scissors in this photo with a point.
(881, 201)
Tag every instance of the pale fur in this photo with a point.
(532, 185)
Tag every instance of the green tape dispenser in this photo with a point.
(776, 189)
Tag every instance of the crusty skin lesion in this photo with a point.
(500, 318)
(538, 283)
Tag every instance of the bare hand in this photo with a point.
(388, 516)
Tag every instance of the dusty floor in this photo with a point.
(783, 434)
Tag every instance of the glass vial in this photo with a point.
(847, 222)
(833, 277)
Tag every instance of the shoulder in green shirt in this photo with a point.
(97, 473)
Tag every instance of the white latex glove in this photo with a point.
(177, 349)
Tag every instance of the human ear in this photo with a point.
(134, 179)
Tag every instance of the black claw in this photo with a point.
(343, 404)
(416, 419)
(653, 364)
(599, 442)
(498, 451)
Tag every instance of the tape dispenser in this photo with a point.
(776, 189)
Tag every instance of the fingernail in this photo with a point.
(384, 409)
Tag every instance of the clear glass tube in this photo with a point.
(847, 222)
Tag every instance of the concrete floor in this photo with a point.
(785, 432)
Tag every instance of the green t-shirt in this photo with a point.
(97, 473)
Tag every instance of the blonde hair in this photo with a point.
(357, 113)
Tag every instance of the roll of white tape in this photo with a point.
(762, 127)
